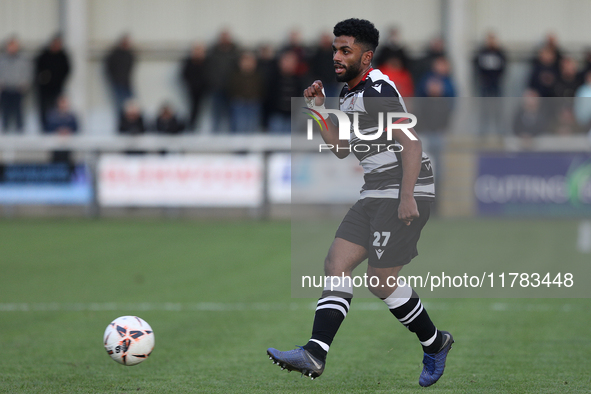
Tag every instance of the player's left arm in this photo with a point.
(412, 157)
(387, 100)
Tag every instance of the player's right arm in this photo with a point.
(331, 136)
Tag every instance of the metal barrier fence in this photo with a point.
(252, 175)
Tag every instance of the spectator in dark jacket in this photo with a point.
(195, 76)
(245, 90)
(568, 79)
(52, 67)
(119, 66)
(62, 120)
(490, 65)
(284, 85)
(222, 60)
(544, 74)
(168, 122)
(131, 121)
(551, 43)
(266, 64)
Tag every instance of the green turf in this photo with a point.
(217, 294)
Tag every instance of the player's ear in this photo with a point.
(367, 57)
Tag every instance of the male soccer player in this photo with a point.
(385, 224)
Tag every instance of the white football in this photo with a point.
(129, 340)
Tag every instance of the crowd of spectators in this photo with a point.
(46, 75)
(250, 89)
(556, 100)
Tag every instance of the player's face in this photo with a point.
(347, 58)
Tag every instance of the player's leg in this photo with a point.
(332, 307)
(331, 310)
(346, 252)
(405, 304)
(395, 245)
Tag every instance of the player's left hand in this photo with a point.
(316, 92)
(408, 210)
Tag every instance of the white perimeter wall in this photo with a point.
(253, 21)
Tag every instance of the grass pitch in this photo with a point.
(217, 294)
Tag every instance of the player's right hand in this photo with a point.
(315, 91)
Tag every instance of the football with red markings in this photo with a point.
(129, 340)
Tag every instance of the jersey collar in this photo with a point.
(362, 79)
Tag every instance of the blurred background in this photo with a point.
(182, 107)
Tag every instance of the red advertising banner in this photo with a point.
(223, 180)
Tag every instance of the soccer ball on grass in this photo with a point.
(129, 340)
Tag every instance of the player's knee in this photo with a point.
(379, 290)
(333, 267)
(330, 266)
(381, 285)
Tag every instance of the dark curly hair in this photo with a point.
(364, 32)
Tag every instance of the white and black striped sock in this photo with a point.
(331, 310)
(406, 306)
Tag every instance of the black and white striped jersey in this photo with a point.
(382, 167)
